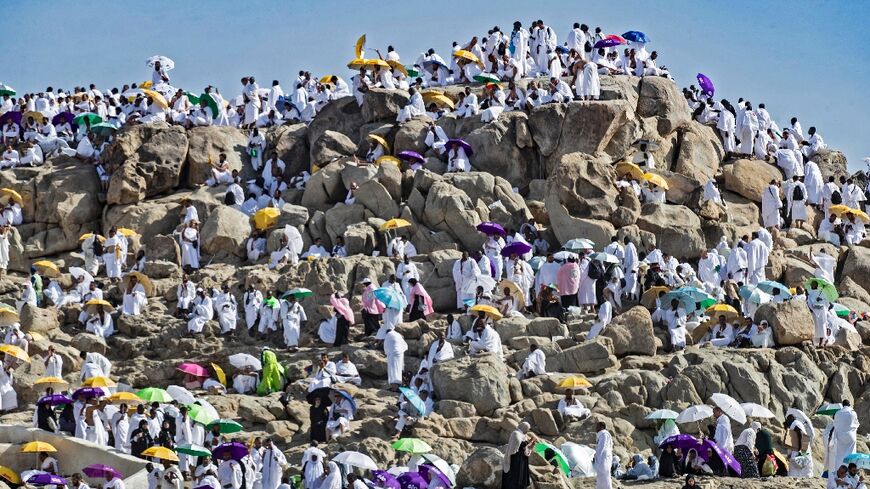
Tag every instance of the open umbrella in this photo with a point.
(90, 117)
(46, 479)
(154, 394)
(466, 55)
(192, 369)
(565, 255)
(636, 36)
(485, 281)
(373, 63)
(607, 43)
(161, 453)
(662, 414)
(695, 413)
(89, 392)
(839, 309)
(398, 66)
(491, 228)
(829, 409)
(9, 475)
(91, 235)
(626, 168)
(428, 470)
(219, 373)
(486, 78)
(859, 214)
(388, 159)
(727, 459)
(156, 98)
(8, 194)
(515, 290)
(862, 460)
(394, 224)
(99, 381)
(266, 218)
(212, 103)
(488, 310)
(516, 248)
(451, 143)
(380, 140)
(180, 394)
(656, 180)
(580, 457)
(729, 406)
(754, 410)
(55, 383)
(165, 63)
(193, 450)
(356, 459)
(6, 90)
(441, 101)
(38, 447)
(578, 244)
(391, 298)
(769, 286)
(441, 465)
(829, 292)
(385, 480)
(413, 480)
(124, 398)
(726, 310)
(100, 471)
(13, 116)
(685, 300)
(15, 352)
(93, 305)
(242, 360)
(408, 155)
(63, 117)
(47, 268)
(705, 83)
(54, 400)
(143, 279)
(414, 400)
(226, 426)
(604, 257)
(236, 450)
(298, 293)
(347, 396)
(411, 445)
(682, 441)
(575, 382)
(103, 128)
(554, 456)
(9, 316)
(36, 116)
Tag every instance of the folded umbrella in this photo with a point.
(242, 360)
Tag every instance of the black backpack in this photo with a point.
(797, 193)
(596, 270)
(836, 197)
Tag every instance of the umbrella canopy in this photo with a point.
(839, 209)
(488, 310)
(91, 118)
(580, 457)
(682, 441)
(37, 447)
(219, 373)
(829, 292)
(356, 63)
(15, 352)
(9, 316)
(607, 43)
(54, 400)
(180, 394)
(156, 98)
(326, 79)
(636, 36)
(236, 450)
(103, 128)
(63, 117)
(441, 465)
(604, 257)
(391, 298)
(565, 255)
(154, 394)
(428, 470)
(388, 159)
(486, 78)
(124, 398)
(298, 293)
(705, 83)
(729, 406)
(662, 414)
(578, 244)
(89, 392)
(397, 66)
(347, 396)
(380, 140)
(441, 101)
(10, 194)
(769, 286)
(862, 460)
(100, 470)
(385, 480)
(55, 383)
(226, 426)
(514, 288)
(466, 55)
(859, 214)
(686, 301)
(516, 248)
(373, 63)
(626, 168)
(491, 228)
(143, 279)
(414, 400)
(36, 116)
(266, 218)
(554, 456)
(212, 103)
(656, 180)
(193, 450)
(93, 306)
(394, 224)
(242, 360)
(408, 155)
(165, 63)
(356, 459)
(695, 293)
(13, 116)
(47, 268)
(451, 143)
(722, 310)
(754, 410)
(9, 474)
(91, 235)
(99, 381)
(193, 369)
(413, 480)
(829, 409)
(839, 309)
(695, 413)
(575, 382)
(727, 459)
(411, 445)
(161, 453)
(485, 281)
(46, 479)
(6, 90)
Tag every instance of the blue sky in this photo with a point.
(797, 57)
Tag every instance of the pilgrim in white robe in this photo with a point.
(603, 460)
(134, 301)
(253, 300)
(723, 436)
(273, 464)
(292, 317)
(190, 248)
(100, 326)
(757, 254)
(395, 348)
(202, 314)
(845, 433)
(112, 256)
(605, 314)
(534, 364)
(487, 341)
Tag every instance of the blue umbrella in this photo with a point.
(391, 298)
(414, 399)
(746, 291)
(636, 36)
(686, 300)
(536, 263)
(695, 293)
(347, 396)
(862, 460)
(769, 286)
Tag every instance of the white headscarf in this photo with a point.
(518, 436)
(747, 436)
(333, 479)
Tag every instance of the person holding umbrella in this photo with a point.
(229, 472)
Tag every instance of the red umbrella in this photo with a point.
(614, 37)
(193, 369)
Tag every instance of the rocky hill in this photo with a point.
(554, 164)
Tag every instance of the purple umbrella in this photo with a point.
(459, 142)
(236, 450)
(425, 469)
(683, 442)
(54, 400)
(607, 43)
(490, 228)
(47, 480)
(98, 471)
(63, 117)
(412, 156)
(413, 480)
(384, 479)
(88, 392)
(516, 248)
(727, 459)
(706, 84)
(14, 116)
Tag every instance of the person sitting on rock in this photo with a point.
(535, 364)
(346, 372)
(571, 408)
(485, 339)
(340, 416)
(221, 174)
(246, 381)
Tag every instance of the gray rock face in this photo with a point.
(147, 161)
(481, 381)
(791, 321)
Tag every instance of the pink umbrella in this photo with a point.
(193, 369)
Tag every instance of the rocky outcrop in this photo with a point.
(146, 161)
(481, 381)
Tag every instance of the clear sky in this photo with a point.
(798, 57)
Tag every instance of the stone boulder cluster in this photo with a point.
(554, 164)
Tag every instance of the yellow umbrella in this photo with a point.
(162, 453)
(488, 310)
(99, 381)
(357, 63)
(431, 91)
(360, 46)
(9, 475)
(441, 101)
(630, 169)
(145, 84)
(388, 159)
(156, 98)
(146, 282)
(125, 398)
(397, 66)
(394, 224)
(326, 79)
(8, 315)
(91, 235)
(47, 268)
(380, 140)
(651, 294)
(266, 218)
(14, 351)
(219, 372)
(38, 336)
(717, 310)
(93, 304)
(376, 63)
(55, 383)
(656, 180)
(575, 382)
(515, 290)
(466, 55)
(859, 214)
(7, 194)
(37, 116)
(37, 447)
(839, 209)
(127, 232)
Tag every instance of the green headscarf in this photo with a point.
(272, 375)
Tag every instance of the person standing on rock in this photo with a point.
(757, 255)
(515, 462)
(292, 316)
(190, 246)
(723, 436)
(771, 203)
(819, 306)
(394, 349)
(845, 432)
(112, 255)
(252, 299)
(603, 457)
(675, 319)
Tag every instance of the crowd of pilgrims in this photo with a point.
(515, 272)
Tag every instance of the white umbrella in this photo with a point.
(440, 464)
(579, 458)
(564, 255)
(485, 281)
(180, 394)
(753, 410)
(800, 416)
(356, 459)
(662, 414)
(729, 406)
(695, 413)
(208, 408)
(79, 272)
(605, 257)
(165, 63)
(294, 239)
(242, 360)
(398, 470)
(133, 92)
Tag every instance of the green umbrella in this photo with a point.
(829, 409)
(6, 90)
(199, 415)
(707, 303)
(211, 102)
(412, 73)
(226, 426)
(411, 445)
(193, 98)
(298, 292)
(154, 394)
(840, 310)
(486, 78)
(552, 454)
(92, 118)
(193, 450)
(271, 302)
(103, 128)
(829, 292)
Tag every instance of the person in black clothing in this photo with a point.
(166, 438)
(140, 439)
(342, 327)
(764, 446)
(690, 482)
(668, 462)
(319, 416)
(45, 418)
(67, 421)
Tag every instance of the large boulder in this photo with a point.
(584, 186)
(632, 333)
(503, 148)
(505, 206)
(482, 468)
(588, 357)
(699, 152)
(341, 115)
(380, 104)
(856, 265)
(791, 321)
(38, 319)
(662, 99)
(832, 163)
(480, 380)
(374, 197)
(330, 146)
(291, 143)
(449, 209)
(224, 232)
(750, 178)
(206, 143)
(325, 188)
(147, 160)
(677, 229)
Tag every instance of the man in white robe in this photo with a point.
(630, 268)
(252, 299)
(395, 348)
(414, 108)
(771, 203)
(534, 365)
(757, 254)
(819, 306)
(845, 432)
(273, 464)
(464, 271)
(203, 312)
(486, 339)
(346, 371)
(406, 271)
(292, 316)
(605, 315)
(229, 473)
(723, 436)
(603, 457)
(186, 293)
(675, 319)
